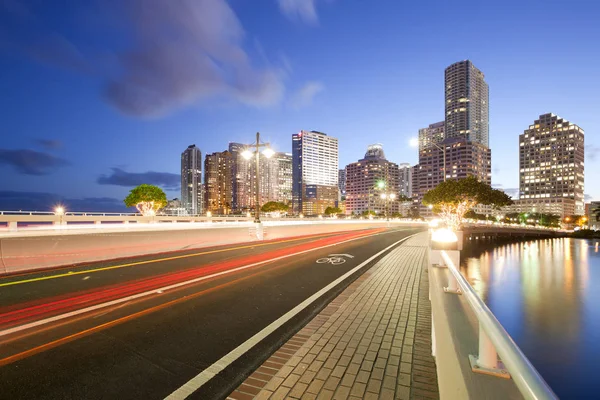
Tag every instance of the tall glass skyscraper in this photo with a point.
(467, 103)
(191, 180)
(315, 172)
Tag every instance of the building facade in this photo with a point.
(593, 215)
(191, 180)
(315, 172)
(466, 103)
(551, 165)
(342, 182)
(405, 180)
(274, 175)
(433, 134)
(281, 170)
(217, 182)
(369, 178)
(463, 141)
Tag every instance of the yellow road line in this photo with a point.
(90, 271)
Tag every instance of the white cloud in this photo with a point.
(303, 9)
(185, 51)
(172, 54)
(305, 95)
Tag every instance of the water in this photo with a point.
(546, 294)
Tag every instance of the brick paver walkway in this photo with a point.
(372, 342)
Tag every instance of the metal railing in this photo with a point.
(494, 340)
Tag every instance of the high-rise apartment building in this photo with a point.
(239, 171)
(281, 170)
(551, 162)
(191, 180)
(463, 139)
(405, 179)
(217, 182)
(363, 178)
(466, 105)
(433, 134)
(315, 172)
(274, 175)
(342, 182)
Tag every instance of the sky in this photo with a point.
(100, 96)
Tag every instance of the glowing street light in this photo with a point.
(59, 210)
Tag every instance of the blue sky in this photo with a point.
(98, 96)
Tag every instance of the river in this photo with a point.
(546, 294)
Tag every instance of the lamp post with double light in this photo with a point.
(386, 196)
(248, 154)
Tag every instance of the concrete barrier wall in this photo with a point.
(25, 253)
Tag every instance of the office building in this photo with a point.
(466, 103)
(191, 180)
(363, 188)
(551, 167)
(217, 182)
(315, 172)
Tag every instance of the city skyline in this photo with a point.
(350, 97)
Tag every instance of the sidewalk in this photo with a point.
(372, 342)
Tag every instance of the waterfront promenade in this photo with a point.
(372, 342)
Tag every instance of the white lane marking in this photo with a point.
(154, 291)
(199, 380)
(341, 255)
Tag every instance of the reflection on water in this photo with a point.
(546, 294)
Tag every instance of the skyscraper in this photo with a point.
(405, 180)
(217, 182)
(275, 178)
(238, 176)
(551, 162)
(363, 192)
(342, 181)
(281, 163)
(315, 172)
(463, 140)
(191, 180)
(466, 105)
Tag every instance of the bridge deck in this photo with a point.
(372, 342)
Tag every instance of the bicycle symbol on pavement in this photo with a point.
(334, 259)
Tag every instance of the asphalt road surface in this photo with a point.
(142, 328)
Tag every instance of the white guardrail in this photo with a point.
(13, 221)
(494, 341)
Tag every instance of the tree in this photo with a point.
(453, 198)
(148, 199)
(368, 213)
(274, 206)
(332, 210)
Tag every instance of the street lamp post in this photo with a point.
(248, 154)
(387, 196)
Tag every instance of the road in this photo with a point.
(143, 327)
